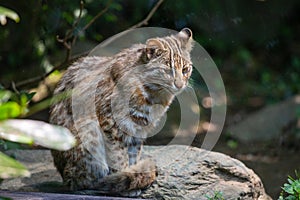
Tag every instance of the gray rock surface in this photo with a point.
(184, 173)
(268, 122)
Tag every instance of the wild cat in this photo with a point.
(129, 92)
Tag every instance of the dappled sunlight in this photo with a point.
(207, 102)
(46, 87)
(209, 127)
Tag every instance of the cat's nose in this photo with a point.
(179, 84)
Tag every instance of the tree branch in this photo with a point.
(149, 16)
(43, 76)
(92, 21)
(69, 34)
(98, 15)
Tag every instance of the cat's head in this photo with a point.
(168, 58)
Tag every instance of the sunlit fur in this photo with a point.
(130, 91)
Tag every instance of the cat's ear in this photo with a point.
(186, 34)
(186, 37)
(154, 48)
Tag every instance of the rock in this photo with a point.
(184, 173)
(193, 173)
(49, 196)
(268, 122)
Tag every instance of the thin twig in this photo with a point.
(69, 34)
(67, 45)
(37, 78)
(79, 16)
(14, 88)
(76, 23)
(149, 16)
(43, 76)
(97, 16)
(91, 21)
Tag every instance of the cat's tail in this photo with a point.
(128, 182)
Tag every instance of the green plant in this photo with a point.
(7, 13)
(14, 104)
(216, 196)
(291, 190)
(231, 142)
(30, 132)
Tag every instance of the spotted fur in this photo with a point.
(130, 92)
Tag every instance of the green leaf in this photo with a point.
(288, 188)
(7, 145)
(23, 100)
(4, 96)
(10, 168)
(5, 12)
(232, 144)
(296, 186)
(116, 6)
(10, 110)
(30, 95)
(290, 197)
(41, 133)
(110, 17)
(290, 180)
(15, 135)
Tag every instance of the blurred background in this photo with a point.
(255, 45)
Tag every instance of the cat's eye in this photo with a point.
(185, 70)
